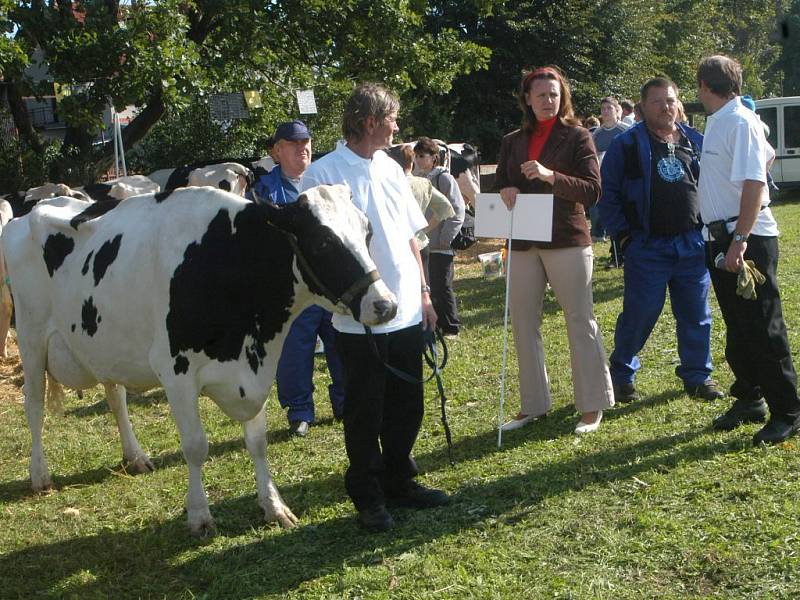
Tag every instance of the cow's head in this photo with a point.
(330, 235)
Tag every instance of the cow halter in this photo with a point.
(348, 295)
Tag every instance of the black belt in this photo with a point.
(736, 218)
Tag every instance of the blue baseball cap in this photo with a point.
(747, 102)
(292, 131)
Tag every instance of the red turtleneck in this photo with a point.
(539, 138)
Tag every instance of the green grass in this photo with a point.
(653, 505)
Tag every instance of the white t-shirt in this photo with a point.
(380, 191)
(734, 149)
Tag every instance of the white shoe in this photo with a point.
(590, 427)
(517, 423)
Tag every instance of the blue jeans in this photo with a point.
(296, 365)
(653, 265)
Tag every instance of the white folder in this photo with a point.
(533, 217)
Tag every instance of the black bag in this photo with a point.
(466, 237)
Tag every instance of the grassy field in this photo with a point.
(653, 505)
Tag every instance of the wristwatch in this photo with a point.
(739, 237)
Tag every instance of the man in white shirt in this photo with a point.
(382, 412)
(734, 206)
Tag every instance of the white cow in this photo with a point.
(224, 279)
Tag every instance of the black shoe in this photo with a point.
(708, 390)
(741, 411)
(375, 519)
(298, 428)
(625, 392)
(413, 495)
(776, 430)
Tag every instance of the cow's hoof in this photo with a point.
(140, 464)
(204, 529)
(283, 516)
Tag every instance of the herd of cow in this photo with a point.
(146, 282)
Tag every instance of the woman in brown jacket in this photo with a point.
(553, 154)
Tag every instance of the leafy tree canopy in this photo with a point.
(167, 56)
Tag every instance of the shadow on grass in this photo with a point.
(282, 561)
(100, 407)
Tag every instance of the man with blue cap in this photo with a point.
(292, 153)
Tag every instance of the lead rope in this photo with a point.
(431, 357)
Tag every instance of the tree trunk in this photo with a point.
(22, 120)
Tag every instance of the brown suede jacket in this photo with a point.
(570, 152)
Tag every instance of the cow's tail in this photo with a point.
(55, 396)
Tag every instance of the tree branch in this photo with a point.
(135, 130)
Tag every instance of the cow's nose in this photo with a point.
(385, 310)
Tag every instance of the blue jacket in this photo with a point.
(625, 174)
(270, 187)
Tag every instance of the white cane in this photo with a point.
(505, 338)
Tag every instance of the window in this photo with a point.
(791, 126)
(769, 116)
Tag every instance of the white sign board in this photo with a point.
(306, 102)
(533, 217)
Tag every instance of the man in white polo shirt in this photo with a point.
(382, 412)
(734, 207)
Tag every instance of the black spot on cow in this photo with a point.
(56, 248)
(93, 211)
(85, 268)
(234, 286)
(72, 328)
(89, 317)
(241, 391)
(181, 365)
(105, 256)
(179, 177)
(224, 184)
(99, 192)
(161, 196)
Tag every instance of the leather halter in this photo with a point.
(348, 295)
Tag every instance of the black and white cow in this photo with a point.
(232, 175)
(21, 203)
(121, 188)
(224, 278)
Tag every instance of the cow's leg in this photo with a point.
(132, 453)
(255, 438)
(183, 404)
(33, 369)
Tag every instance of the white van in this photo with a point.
(782, 115)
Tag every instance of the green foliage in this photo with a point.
(605, 47)
(791, 50)
(21, 167)
(172, 55)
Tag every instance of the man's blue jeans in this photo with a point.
(653, 265)
(296, 365)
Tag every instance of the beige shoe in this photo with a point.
(518, 422)
(589, 427)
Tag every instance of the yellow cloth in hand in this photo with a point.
(747, 280)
